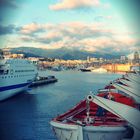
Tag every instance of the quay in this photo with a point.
(43, 80)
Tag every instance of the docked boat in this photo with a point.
(85, 70)
(129, 84)
(43, 80)
(93, 120)
(133, 77)
(15, 76)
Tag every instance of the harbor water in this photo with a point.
(26, 116)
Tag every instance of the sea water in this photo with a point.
(26, 116)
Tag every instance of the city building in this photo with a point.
(136, 57)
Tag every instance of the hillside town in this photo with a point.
(123, 64)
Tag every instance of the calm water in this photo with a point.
(27, 115)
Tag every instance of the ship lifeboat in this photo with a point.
(89, 121)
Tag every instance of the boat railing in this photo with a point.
(72, 114)
(76, 122)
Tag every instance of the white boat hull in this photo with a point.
(103, 133)
(66, 132)
(76, 132)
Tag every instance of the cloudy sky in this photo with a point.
(91, 25)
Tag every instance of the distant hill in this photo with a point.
(62, 53)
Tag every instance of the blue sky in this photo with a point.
(91, 25)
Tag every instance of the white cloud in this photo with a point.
(27, 29)
(74, 4)
(76, 35)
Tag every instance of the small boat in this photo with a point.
(129, 84)
(43, 80)
(133, 77)
(85, 70)
(88, 120)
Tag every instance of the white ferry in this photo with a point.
(15, 76)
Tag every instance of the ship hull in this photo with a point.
(9, 93)
(15, 76)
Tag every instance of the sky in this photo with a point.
(88, 25)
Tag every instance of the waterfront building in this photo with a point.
(34, 60)
(136, 57)
(118, 67)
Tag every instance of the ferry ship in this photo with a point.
(15, 76)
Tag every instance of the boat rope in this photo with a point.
(87, 112)
(63, 136)
(54, 131)
(128, 90)
(74, 114)
(102, 137)
(88, 137)
(76, 122)
(77, 137)
(70, 135)
(116, 113)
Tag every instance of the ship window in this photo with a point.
(1, 71)
(6, 71)
(11, 71)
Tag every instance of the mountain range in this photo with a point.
(62, 53)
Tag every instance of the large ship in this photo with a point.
(15, 76)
